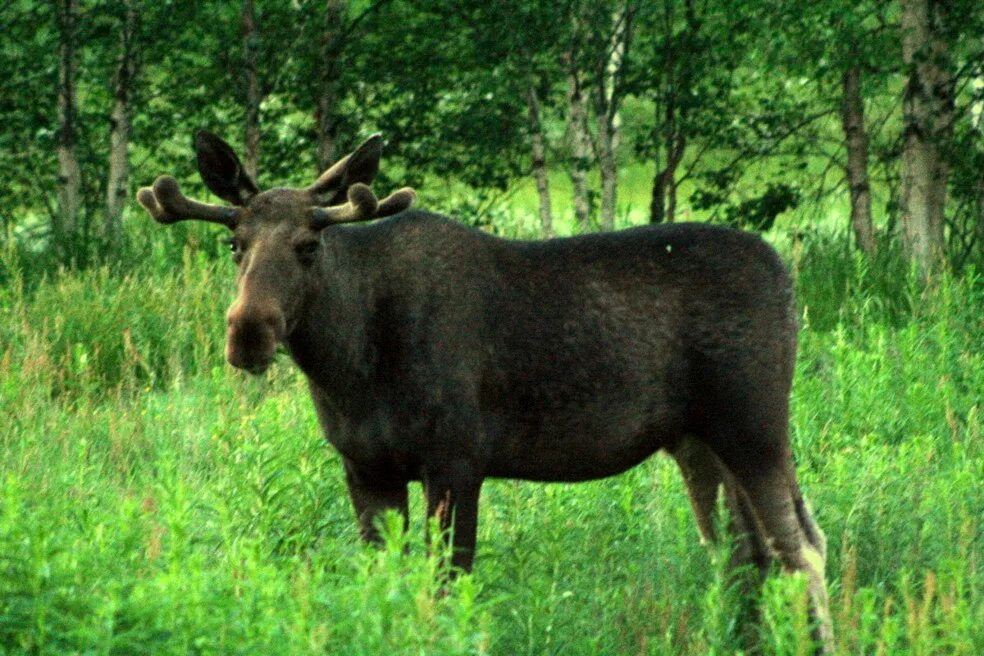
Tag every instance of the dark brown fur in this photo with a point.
(437, 353)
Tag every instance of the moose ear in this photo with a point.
(221, 169)
(361, 165)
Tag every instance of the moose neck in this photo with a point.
(329, 342)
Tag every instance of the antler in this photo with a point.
(362, 205)
(398, 201)
(167, 204)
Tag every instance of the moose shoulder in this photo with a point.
(438, 353)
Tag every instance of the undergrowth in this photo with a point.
(156, 502)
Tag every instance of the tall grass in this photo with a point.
(94, 332)
(156, 502)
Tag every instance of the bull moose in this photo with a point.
(438, 353)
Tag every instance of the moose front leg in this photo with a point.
(373, 495)
(452, 498)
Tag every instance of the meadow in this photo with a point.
(154, 501)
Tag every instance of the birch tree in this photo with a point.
(538, 164)
(69, 184)
(125, 72)
(928, 111)
(608, 91)
(578, 135)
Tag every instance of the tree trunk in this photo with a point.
(856, 138)
(662, 204)
(657, 199)
(538, 142)
(928, 107)
(253, 96)
(119, 135)
(608, 168)
(608, 94)
(65, 228)
(326, 115)
(580, 145)
(977, 111)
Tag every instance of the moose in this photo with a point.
(438, 353)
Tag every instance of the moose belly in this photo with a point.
(564, 448)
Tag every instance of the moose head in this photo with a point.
(277, 235)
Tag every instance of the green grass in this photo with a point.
(156, 502)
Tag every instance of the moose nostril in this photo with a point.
(254, 331)
(251, 319)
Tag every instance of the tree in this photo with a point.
(251, 152)
(965, 220)
(611, 53)
(527, 48)
(678, 53)
(928, 114)
(69, 172)
(117, 187)
(453, 103)
(856, 139)
(595, 61)
(841, 50)
(332, 45)
(538, 163)
(28, 114)
(578, 136)
(688, 66)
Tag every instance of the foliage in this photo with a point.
(743, 94)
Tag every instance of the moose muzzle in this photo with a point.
(254, 330)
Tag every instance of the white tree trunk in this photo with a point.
(539, 147)
(607, 101)
(119, 136)
(580, 147)
(928, 124)
(69, 175)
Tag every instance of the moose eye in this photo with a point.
(236, 247)
(307, 249)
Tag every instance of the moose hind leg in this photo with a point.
(706, 478)
(784, 520)
(808, 524)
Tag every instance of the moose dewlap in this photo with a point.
(441, 354)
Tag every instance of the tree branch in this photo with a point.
(354, 23)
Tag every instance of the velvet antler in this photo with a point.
(165, 202)
(398, 201)
(362, 205)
